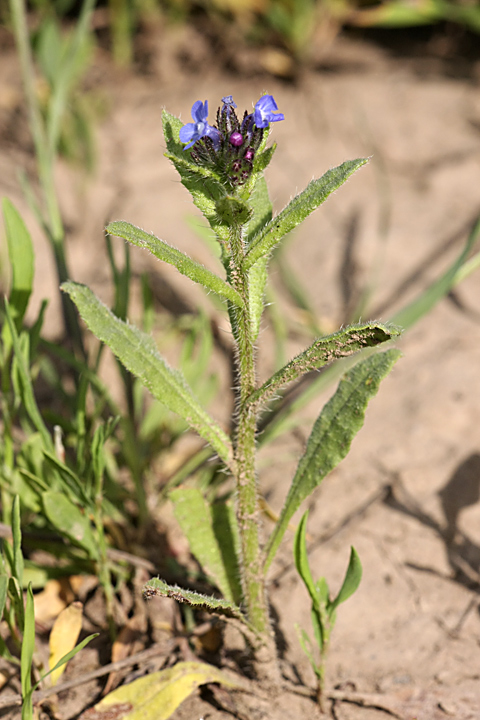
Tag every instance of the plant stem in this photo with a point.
(246, 480)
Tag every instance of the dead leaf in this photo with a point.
(64, 636)
(52, 600)
(157, 696)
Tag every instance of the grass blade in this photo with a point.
(422, 305)
(26, 657)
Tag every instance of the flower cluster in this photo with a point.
(230, 145)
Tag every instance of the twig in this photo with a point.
(367, 700)
(87, 677)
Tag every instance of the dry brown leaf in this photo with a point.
(52, 600)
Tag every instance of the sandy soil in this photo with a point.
(407, 495)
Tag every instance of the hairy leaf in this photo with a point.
(184, 264)
(298, 209)
(257, 278)
(331, 347)
(331, 436)
(195, 517)
(157, 587)
(137, 351)
(202, 183)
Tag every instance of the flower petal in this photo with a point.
(200, 111)
(187, 132)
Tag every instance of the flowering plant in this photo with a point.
(222, 166)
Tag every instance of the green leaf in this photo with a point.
(74, 60)
(257, 277)
(301, 559)
(158, 695)
(232, 211)
(28, 397)
(184, 264)
(15, 593)
(422, 305)
(203, 184)
(156, 587)
(298, 209)
(351, 582)
(71, 483)
(224, 525)
(195, 518)
(66, 658)
(68, 519)
(3, 592)
(137, 351)
(17, 570)
(22, 261)
(26, 657)
(331, 436)
(324, 350)
(262, 210)
(306, 645)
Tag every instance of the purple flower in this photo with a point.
(191, 132)
(228, 101)
(263, 113)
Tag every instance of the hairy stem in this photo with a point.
(246, 480)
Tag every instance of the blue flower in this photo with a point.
(191, 132)
(228, 100)
(263, 113)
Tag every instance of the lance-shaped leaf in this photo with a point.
(331, 436)
(298, 209)
(331, 347)
(257, 277)
(66, 517)
(20, 251)
(202, 183)
(184, 264)
(137, 351)
(301, 559)
(210, 537)
(158, 588)
(352, 580)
